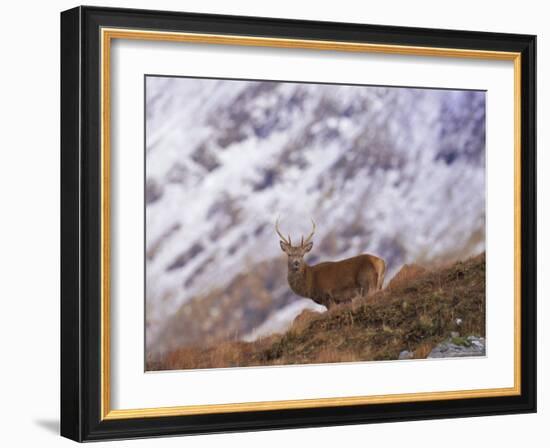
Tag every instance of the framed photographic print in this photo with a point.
(273, 223)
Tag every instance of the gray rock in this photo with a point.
(476, 342)
(459, 348)
(405, 354)
(455, 334)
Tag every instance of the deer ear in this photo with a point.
(308, 247)
(284, 246)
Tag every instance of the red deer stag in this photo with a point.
(331, 282)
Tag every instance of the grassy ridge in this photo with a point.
(417, 310)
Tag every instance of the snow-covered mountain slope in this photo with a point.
(391, 171)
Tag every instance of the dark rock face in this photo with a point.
(186, 256)
(229, 313)
(153, 191)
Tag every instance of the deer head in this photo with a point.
(295, 254)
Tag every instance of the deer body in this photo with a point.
(333, 281)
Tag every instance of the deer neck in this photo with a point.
(298, 281)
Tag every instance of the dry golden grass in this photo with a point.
(423, 350)
(329, 355)
(407, 273)
(414, 313)
(304, 319)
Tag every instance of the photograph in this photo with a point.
(294, 222)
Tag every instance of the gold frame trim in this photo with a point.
(107, 35)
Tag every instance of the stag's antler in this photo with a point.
(308, 239)
(280, 234)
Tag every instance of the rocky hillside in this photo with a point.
(423, 314)
(391, 171)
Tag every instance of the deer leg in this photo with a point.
(371, 283)
(363, 281)
(381, 275)
(329, 299)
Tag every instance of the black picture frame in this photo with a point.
(81, 224)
